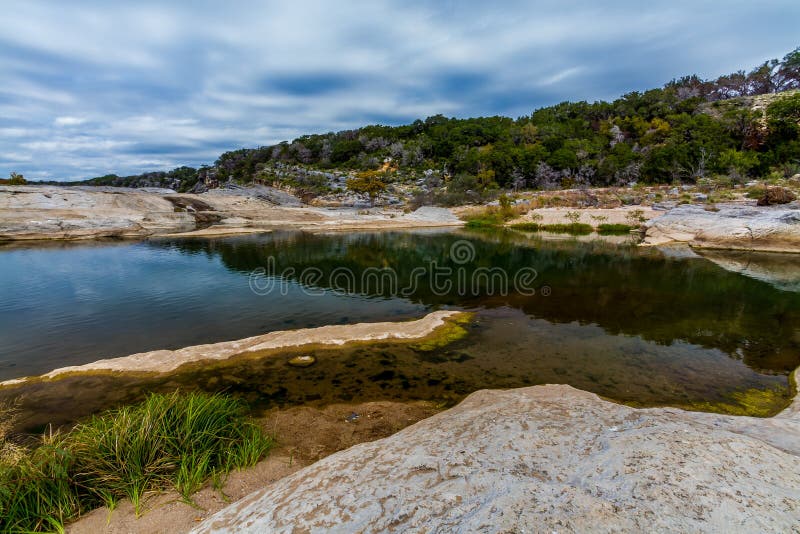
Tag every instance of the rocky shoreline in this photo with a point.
(166, 361)
(549, 458)
(82, 212)
(74, 213)
(734, 226)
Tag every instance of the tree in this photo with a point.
(787, 75)
(17, 179)
(367, 183)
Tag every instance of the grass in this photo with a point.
(571, 228)
(614, 229)
(168, 441)
(484, 222)
(526, 226)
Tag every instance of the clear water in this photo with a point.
(627, 323)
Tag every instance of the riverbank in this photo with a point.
(74, 213)
(552, 456)
(537, 444)
(303, 435)
(586, 462)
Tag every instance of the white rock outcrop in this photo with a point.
(734, 226)
(54, 212)
(545, 459)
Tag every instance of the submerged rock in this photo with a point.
(302, 361)
(549, 458)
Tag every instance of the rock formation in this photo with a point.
(732, 226)
(545, 459)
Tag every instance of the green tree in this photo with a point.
(17, 179)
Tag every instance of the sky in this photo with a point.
(92, 88)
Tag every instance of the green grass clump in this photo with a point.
(484, 222)
(572, 228)
(614, 229)
(526, 226)
(168, 441)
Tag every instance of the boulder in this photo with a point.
(545, 459)
(733, 226)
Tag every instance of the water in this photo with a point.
(627, 323)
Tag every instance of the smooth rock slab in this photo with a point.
(734, 226)
(545, 459)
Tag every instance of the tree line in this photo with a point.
(687, 130)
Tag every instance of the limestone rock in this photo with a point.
(545, 459)
(52, 212)
(733, 226)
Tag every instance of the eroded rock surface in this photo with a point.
(545, 459)
(733, 226)
(53, 212)
(57, 212)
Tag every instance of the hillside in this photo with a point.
(740, 126)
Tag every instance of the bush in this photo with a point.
(17, 179)
(776, 195)
(573, 217)
(635, 217)
(177, 440)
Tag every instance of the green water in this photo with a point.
(630, 324)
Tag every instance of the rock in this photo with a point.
(663, 206)
(734, 226)
(53, 212)
(302, 361)
(432, 214)
(549, 459)
(700, 197)
(776, 195)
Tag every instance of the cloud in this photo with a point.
(68, 121)
(95, 87)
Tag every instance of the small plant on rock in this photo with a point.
(635, 217)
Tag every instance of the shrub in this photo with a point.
(635, 217)
(177, 440)
(776, 195)
(16, 179)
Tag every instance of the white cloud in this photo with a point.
(69, 121)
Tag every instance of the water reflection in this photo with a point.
(629, 323)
